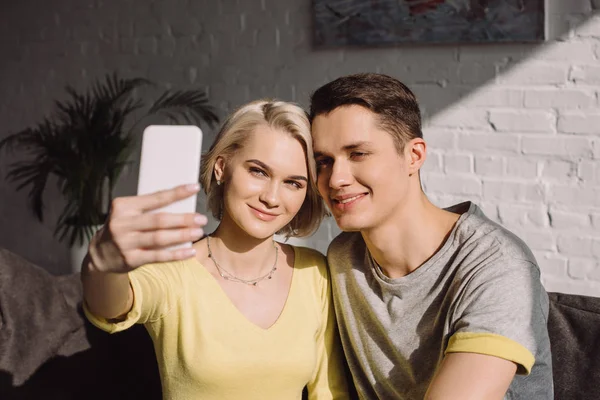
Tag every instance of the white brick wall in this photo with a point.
(515, 128)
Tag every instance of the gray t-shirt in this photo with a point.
(480, 293)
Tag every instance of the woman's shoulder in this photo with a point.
(311, 263)
(308, 256)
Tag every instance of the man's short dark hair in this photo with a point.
(393, 103)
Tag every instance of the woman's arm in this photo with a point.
(107, 294)
(134, 236)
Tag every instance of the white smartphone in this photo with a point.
(170, 157)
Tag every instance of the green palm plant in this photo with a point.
(87, 143)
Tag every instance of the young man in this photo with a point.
(431, 303)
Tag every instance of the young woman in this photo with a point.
(238, 315)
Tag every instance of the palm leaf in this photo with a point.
(190, 103)
(28, 138)
(115, 89)
(88, 141)
(25, 174)
(15, 140)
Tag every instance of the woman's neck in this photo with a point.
(239, 253)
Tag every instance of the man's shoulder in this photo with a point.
(344, 241)
(480, 235)
(347, 248)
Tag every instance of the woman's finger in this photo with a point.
(152, 201)
(158, 221)
(159, 239)
(133, 205)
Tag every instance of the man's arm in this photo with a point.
(467, 376)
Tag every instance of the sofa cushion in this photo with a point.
(574, 328)
(48, 350)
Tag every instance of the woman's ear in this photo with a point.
(219, 168)
(415, 152)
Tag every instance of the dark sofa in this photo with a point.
(48, 350)
(574, 327)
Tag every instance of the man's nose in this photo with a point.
(341, 175)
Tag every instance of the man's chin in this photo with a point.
(349, 224)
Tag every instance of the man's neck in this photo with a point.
(410, 237)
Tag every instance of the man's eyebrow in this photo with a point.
(356, 145)
(269, 170)
(348, 147)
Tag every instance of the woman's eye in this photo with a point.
(257, 171)
(296, 184)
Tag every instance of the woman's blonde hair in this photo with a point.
(284, 116)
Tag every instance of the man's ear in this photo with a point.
(219, 168)
(415, 152)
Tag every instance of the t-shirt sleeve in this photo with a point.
(502, 311)
(153, 297)
(329, 378)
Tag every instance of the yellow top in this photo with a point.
(207, 349)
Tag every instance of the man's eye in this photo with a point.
(323, 163)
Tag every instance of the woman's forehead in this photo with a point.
(276, 148)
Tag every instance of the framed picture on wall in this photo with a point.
(380, 22)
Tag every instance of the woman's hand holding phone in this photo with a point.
(134, 235)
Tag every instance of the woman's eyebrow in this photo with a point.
(269, 170)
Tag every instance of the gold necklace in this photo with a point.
(230, 277)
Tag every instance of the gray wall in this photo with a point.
(515, 127)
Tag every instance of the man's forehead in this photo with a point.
(342, 120)
(340, 140)
(346, 109)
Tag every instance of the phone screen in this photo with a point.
(170, 157)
